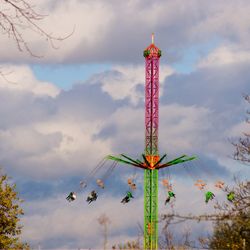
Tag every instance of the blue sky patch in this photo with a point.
(65, 76)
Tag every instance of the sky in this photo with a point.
(66, 110)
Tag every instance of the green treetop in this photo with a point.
(10, 211)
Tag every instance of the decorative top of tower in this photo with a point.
(152, 50)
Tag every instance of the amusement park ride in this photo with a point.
(152, 162)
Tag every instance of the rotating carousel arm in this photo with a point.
(135, 162)
(177, 161)
(130, 162)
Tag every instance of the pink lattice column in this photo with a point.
(152, 55)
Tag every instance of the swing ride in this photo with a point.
(151, 162)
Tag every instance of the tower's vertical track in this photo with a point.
(151, 147)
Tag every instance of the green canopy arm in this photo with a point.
(176, 161)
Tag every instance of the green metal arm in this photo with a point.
(133, 163)
(176, 161)
(129, 159)
(139, 164)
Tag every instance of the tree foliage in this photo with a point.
(10, 213)
(231, 223)
(234, 232)
(135, 245)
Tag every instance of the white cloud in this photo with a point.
(238, 129)
(114, 31)
(25, 141)
(220, 19)
(88, 20)
(21, 78)
(61, 148)
(125, 80)
(184, 128)
(77, 150)
(69, 129)
(225, 55)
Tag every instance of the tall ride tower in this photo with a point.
(151, 160)
(152, 56)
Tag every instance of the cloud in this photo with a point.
(187, 127)
(212, 87)
(238, 130)
(95, 119)
(58, 129)
(111, 31)
(48, 129)
(218, 19)
(182, 129)
(50, 140)
(127, 82)
(88, 20)
(21, 78)
(225, 55)
(21, 142)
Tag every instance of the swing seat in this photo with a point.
(209, 196)
(71, 196)
(130, 181)
(219, 184)
(231, 196)
(83, 184)
(100, 183)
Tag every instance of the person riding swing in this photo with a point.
(71, 196)
(171, 194)
(209, 196)
(127, 198)
(92, 196)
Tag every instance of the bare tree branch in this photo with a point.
(19, 15)
(235, 213)
(242, 146)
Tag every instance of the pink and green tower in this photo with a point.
(152, 162)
